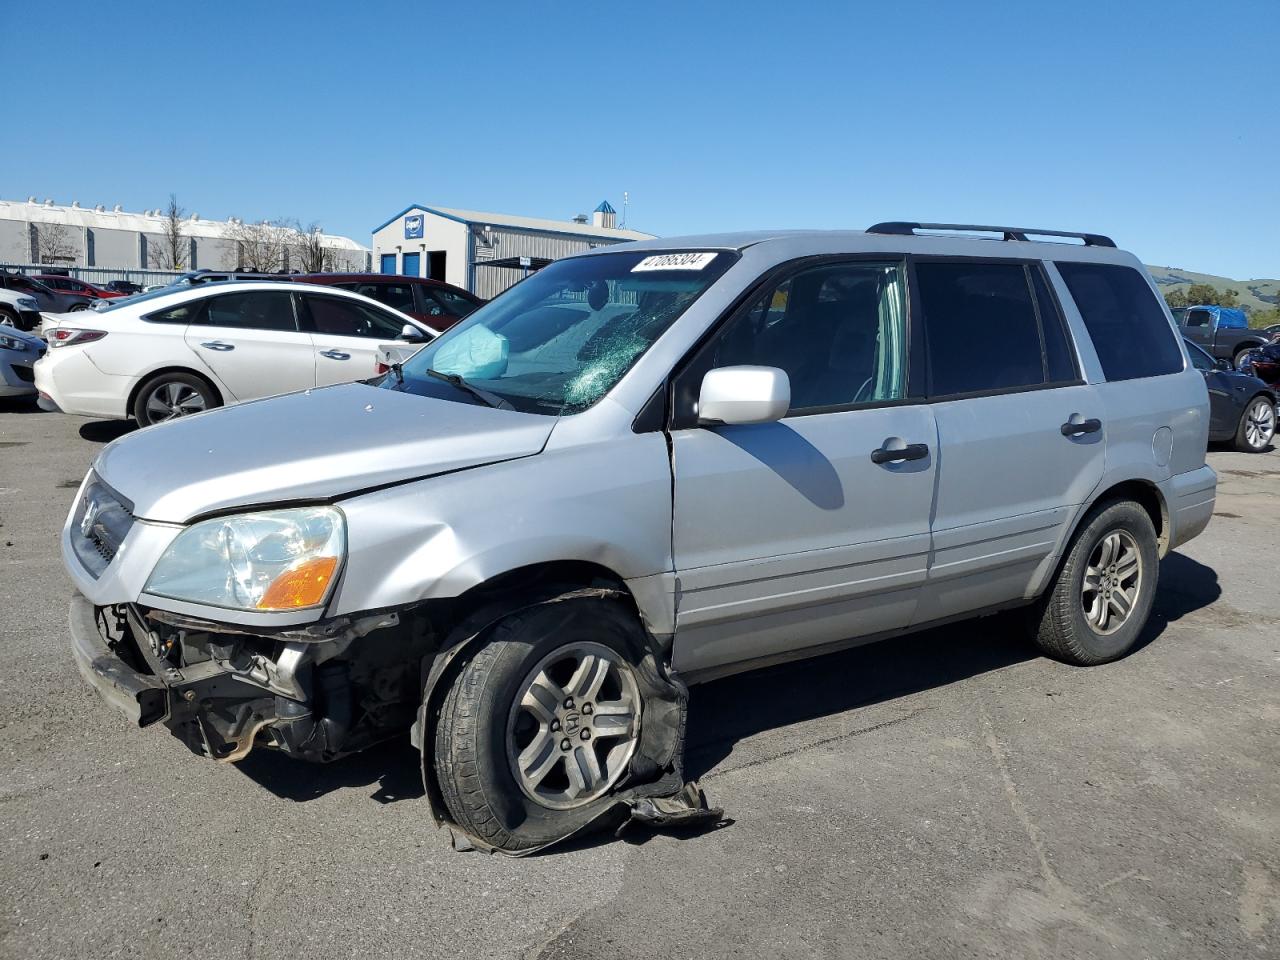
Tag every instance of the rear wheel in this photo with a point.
(1105, 588)
(540, 724)
(8, 318)
(169, 396)
(1257, 426)
(1238, 360)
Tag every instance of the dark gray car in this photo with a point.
(1242, 408)
(50, 300)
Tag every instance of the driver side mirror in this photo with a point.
(1224, 365)
(411, 334)
(744, 395)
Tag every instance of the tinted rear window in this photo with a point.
(980, 326)
(1128, 328)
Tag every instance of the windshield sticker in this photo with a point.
(674, 261)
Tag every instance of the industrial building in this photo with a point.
(46, 234)
(486, 252)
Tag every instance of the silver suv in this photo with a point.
(641, 467)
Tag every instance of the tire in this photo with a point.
(484, 734)
(1064, 630)
(1237, 360)
(77, 307)
(181, 393)
(9, 319)
(1257, 425)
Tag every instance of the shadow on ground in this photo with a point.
(724, 712)
(104, 431)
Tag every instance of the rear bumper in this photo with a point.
(1190, 498)
(70, 381)
(143, 699)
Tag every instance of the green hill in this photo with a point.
(1255, 295)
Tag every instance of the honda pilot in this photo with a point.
(643, 467)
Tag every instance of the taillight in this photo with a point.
(66, 336)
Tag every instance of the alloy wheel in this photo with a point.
(1112, 581)
(574, 725)
(1260, 423)
(173, 399)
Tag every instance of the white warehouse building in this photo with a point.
(485, 252)
(47, 234)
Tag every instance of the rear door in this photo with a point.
(346, 335)
(252, 342)
(1020, 434)
(789, 535)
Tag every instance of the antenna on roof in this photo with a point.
(626, 200)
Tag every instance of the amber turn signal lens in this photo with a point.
(302, 586)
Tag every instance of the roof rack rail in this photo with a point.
(903, 228)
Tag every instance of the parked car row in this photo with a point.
(642, 467)
(1242, 406)
(161, 355)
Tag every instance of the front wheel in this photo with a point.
(540, 724)
(1104, 591)
(169, 396)
(8, 318)
(1257, 426)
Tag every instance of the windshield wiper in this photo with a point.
(492, 399)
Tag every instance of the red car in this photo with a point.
(439, 305)
(72, 285)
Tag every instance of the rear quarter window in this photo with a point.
(1126, 323)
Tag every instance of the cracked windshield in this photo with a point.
(558, 341)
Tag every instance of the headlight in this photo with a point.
(280, 560)
(28, 303)
(11, 343)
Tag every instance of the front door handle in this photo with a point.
(911, 451)
(1076, 427)
(218, 345)
(335, 354)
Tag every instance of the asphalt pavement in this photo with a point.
(951, 794)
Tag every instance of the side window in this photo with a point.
(451, 303)
(1199, 318)
(838, 330)
(347, 318)
(252, 310)
(1128, 328)
(980, 327)
(398, 295)
(1059, 356)
(1199, 359)
(183, 313)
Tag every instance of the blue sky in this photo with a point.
(1155, 122)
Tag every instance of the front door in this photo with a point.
(346, 334)
(251, 343)
(1020, 435)
(790, 535)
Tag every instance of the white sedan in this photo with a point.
(177, 351)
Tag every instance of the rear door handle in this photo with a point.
(912, 451)
(335, 354)
(218, 345)
(1076, 427)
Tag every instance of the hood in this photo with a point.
(315, 445)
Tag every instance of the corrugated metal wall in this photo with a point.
(505, 242)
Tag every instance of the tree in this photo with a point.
(1176, 299)
(308, 249)
(171, 252)
(1201, 294)
(262, 246)
(54, 243)
(1229, 298)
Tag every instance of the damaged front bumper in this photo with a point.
(315, 694)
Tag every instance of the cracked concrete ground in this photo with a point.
(948, 794)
